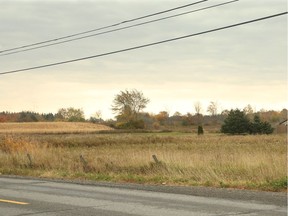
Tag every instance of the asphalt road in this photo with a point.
(24, 196)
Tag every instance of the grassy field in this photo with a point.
(51, 127)
(245, 162)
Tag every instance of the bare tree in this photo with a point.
(198, 110)
(198, 107)
(98, 114)
(212, 108)
(248, 110)
(96, 117)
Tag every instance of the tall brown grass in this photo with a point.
(257, 162)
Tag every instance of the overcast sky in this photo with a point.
(234, 67)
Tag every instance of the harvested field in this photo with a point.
(52, 127)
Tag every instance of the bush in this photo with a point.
(200, 130)
(132, 124)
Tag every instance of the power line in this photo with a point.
(145, 45)
(105, 27)
(119, 29)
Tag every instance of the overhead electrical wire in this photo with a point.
(119, 29)
(105, 27)
(145, 45)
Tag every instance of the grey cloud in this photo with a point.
(252, 54)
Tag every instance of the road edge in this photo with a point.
(274, 198)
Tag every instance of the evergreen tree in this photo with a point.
(259, 127)
(267, 128)
(236, 123)
(255, 127)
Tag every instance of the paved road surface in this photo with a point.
(24, 196)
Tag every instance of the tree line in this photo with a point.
(64, 114)
(128, 107)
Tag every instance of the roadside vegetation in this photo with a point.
(244, 162)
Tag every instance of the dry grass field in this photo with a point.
(248, 162)
(51, 127)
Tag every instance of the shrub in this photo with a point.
(132, 124)
(200, 130)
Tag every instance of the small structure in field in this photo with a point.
(282, 127)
